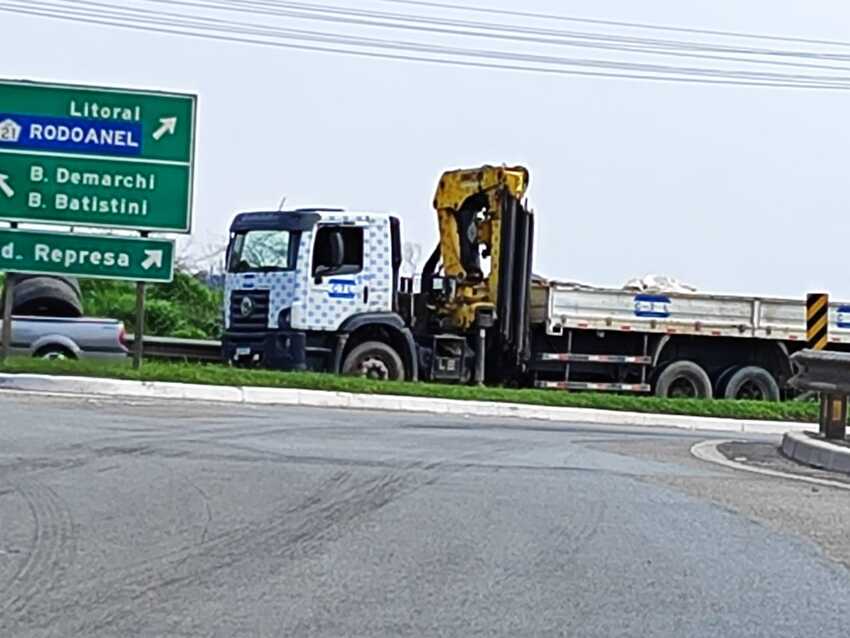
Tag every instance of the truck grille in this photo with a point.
(258, 318)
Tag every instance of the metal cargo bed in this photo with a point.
(562, 307)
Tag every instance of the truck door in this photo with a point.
(336, 288)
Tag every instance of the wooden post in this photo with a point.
(833, 416)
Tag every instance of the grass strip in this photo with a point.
(214, 374)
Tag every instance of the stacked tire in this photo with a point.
(42, 296)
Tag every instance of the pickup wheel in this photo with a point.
(752, 383)
(683, 380)
(54, 353)
(374, 360)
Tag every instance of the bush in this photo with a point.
(199, 307)
(161, 317)
(184, 308)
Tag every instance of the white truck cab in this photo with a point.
(300, 283)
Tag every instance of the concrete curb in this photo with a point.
(46, 384)
(708, 451)
(815, 452)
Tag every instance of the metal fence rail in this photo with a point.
(174, 349)
(829, 374)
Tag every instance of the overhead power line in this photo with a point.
(614, 23)
(230, 30)
(333, 13)
(170, 19)
(163, 18)
(513, 33)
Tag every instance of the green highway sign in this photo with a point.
(81, 156)
(86, 255)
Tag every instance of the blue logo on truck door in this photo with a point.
(653, 306)
(843, 318)
(341, 288)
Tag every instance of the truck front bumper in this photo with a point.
(278, 350)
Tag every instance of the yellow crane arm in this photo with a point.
(469, 211)
(474, 188)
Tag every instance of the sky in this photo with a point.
(730, 189)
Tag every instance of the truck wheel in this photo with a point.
(374, 360)
(721, 382)
(683, 380)
(754, 384)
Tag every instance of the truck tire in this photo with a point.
(721, 381)
(683, 380)
(753, 383)
(374, 360)
(47, 297)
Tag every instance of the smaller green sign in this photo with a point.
(79, 255)
(88, 192)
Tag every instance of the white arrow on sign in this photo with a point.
(4, 186)
(152, 258)
(166, 125)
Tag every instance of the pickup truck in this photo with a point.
(68, 338)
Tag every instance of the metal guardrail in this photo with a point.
(821, 371)
(175, 349)
(827, 373)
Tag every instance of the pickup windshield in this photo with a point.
(263, 251)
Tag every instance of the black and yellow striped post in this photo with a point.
(817, 320)
(833, 407)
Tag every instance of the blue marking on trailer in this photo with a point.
(653, 306)
(843, 317)
(341, 288)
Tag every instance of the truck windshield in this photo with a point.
(263, 251)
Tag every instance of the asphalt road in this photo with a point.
(176, 519)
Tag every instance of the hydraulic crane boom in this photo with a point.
(470, 207)
(485, 250)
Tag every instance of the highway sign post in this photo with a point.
(8, 299)
(99, 157)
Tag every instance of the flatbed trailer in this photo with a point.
(621, 340)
